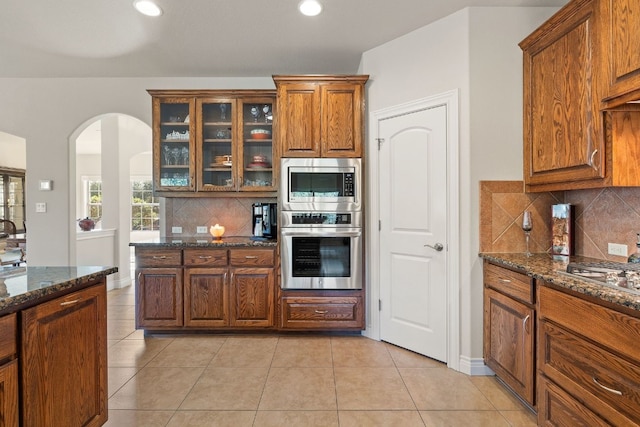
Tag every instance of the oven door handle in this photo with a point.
(322, 233)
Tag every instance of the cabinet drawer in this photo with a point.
(205, 257)
(557, 408)
(584, 368)
(509, 282)
(7, 336)
(158, 257)
(607, 327)
(252, 257)
(322, 312)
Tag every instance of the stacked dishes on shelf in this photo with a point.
(222, 161)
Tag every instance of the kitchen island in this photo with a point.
(568, 346)
(53, 345)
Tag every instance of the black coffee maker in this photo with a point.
(265, 220)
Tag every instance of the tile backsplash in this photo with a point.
(232, 213)
(602, 216)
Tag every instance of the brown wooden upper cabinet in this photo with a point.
(208, 141)
(320, 115)
(569, 141)
(621, 21)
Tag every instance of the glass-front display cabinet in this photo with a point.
(173, 144)
(215, 144)
(214, 141)
(258, 168)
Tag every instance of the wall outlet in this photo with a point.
(201, 229)
(617, 249)
(41, 207)
(176, 230)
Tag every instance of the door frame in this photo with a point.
(448, 99)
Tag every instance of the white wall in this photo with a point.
(46, 112)
(464, 51)
(13, 151)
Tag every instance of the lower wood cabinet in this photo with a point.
(206, 296)
(159, 297)
(509, 329)
(9, 394)
(205, 288)
(64, 360)
(588, 362)
(159, 287)
(252, 299)
(8, 371)
(317, 310)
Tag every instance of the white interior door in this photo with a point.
(413, 215)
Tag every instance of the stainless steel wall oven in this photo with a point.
(321, 250)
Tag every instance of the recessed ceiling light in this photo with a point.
(310, 7)
(147, 7)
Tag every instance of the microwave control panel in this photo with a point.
(348, 185)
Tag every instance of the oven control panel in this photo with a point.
(321, 218)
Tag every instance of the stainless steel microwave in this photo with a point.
(323, 184)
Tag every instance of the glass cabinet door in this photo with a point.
(216, 163)
(174, 144)
(256, 154)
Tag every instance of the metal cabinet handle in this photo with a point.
(321, 311)
(62, 304)
(611, 390)
(205, 257)
(524, 323)
(251, 257)
(504, 280)
(438, 246)
(593, 155)
(159, 257)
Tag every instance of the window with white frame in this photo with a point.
(145, 209)
(94, 199)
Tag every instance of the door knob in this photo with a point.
(438, 246)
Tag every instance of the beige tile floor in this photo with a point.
(281, 380)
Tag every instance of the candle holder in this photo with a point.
(216, 231)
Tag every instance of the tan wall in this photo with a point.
(602, 216)
(233, 213)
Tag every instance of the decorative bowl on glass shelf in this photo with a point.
(260, 134)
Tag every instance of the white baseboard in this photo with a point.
(121, 282)
(475, 367)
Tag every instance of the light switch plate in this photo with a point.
(176, 230)
(41, 207)
(201, 229)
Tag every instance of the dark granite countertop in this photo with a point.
(545, 267)
(26, 286)
(204, 242)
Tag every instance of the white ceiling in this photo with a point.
(207, 38)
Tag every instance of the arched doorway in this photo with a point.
(106, 152)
